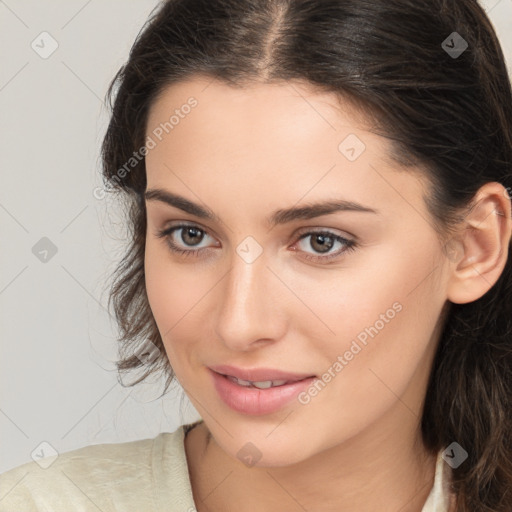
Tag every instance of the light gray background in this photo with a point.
(57, 375)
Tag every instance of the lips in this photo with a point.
(260, 374)
(252, 400)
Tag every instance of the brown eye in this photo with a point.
(322, 243)
(191, 235)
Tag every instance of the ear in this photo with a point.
(483, 243)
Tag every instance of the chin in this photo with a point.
(264, 451)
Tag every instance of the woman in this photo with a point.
(341, 321)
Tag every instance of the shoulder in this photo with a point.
(108, 477)
(440, 498)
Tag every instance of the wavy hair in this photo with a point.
(450, 114)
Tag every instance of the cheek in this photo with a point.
(161, 287)
(382, 309)
(173, 295)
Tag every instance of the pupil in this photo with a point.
(192, 232)
(322, 240)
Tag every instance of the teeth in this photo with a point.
(263, 385)
(240, 381)
(260, 385)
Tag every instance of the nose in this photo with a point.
(250, 311)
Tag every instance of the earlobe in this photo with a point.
(483, 241)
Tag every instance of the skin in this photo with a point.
(245, 153)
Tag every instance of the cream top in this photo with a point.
(148, 475)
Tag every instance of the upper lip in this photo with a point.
(259, 374)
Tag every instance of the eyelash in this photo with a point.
(350, 245)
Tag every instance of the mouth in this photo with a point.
(261, 394)
(264, 384)
(261, 378)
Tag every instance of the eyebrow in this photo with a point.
(281, 216)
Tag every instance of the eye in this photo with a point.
(323, 242)
(191, 235)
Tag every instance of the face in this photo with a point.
(350, 297)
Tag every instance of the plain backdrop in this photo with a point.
(59, 243)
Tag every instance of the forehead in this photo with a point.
(266, 108)
(285, 138)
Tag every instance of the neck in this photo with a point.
(385, 464)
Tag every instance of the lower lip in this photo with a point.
(254, 401)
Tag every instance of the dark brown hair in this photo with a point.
(450, 114)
